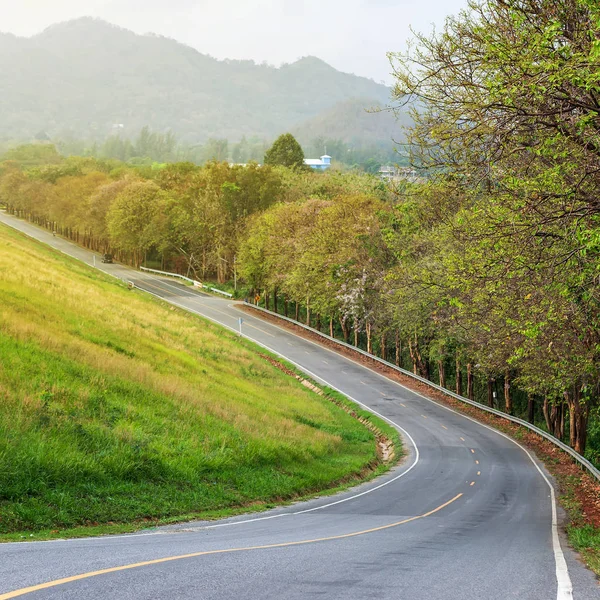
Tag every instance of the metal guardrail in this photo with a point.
(221, 292)
(169, 274)
(192, 281)
(584, 462)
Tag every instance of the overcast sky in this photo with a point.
(351, 35)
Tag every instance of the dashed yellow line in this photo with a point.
(444, 427)
(462, 438)
(476, 462)
(478, 472)
(472, 483)
(473, 451)
(402, 404)
(64, 580)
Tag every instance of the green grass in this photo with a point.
(116, 409)
(584, 537)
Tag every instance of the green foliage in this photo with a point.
(31, 155)
(285, 152)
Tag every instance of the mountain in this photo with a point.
(353, 122)
(86, 78)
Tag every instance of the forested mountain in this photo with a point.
(88, 79)
(353, 121)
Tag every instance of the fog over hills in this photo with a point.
(87, 78)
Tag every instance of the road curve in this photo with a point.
(468, 515)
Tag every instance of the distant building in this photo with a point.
(319, 164)
(394, 173)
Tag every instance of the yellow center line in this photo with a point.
(478, 472)
(473, 451)
(382, 394)
(472, 483)
(444, 427)
(463, 439)
(157, 561)
(476, 462)
(424, 416)
(363, 383)
(402, 404)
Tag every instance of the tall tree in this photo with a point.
(285, 151)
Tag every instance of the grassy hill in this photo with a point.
(81, 77)
(115, 407)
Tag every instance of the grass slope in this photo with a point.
(115, 407)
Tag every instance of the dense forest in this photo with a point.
(149, 147)
(89, 80)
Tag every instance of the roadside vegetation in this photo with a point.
(115, 408)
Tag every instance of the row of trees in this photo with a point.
(190, 218)
(489, 274)
(150, 146)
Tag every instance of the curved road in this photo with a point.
(468, 515)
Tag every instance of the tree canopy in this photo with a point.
(286, 152)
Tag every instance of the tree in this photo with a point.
(508, 110)
(285, 151)
(136, 218)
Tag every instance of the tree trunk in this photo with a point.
(530, 408)
(319, 322)
(383, 348)
(285, 306)
(579, 413)
(275, 300)
(547, 412)
(561, 427)
(345, 329)
(308, 311)
(356, 339)
(420, 366)
(413, 356)
(508, 405)
(470, 387)
(266, 299)
(442, 373)
(554, 417)
(490, 392)
(297, 316)
(459, 385)
(369, 330)
(398, 348)
(330, 326)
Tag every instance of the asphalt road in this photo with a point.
(468, 515)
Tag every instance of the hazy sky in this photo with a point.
(351, 35)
